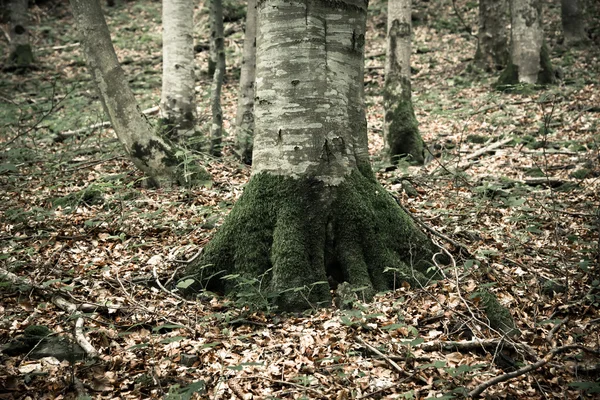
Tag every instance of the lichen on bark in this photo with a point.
(298, 234)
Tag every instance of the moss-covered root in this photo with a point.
(289, 237)
(499, 316)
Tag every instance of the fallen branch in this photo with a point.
(528, 368)
(80, 338)
(475, 345)
(488, 148)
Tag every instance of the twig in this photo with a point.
(316, 392)
(380, 354)
(474, 345)
(453, 242)
(462, 21)
(555, 329)
(160, 285)
(522, 371)
(104, 124)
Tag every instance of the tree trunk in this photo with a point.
(218, 41)
(178, 100)
(572, 22)
(401, 129)
(148, 151)
(530, 59)
(245, 112)
(493, 37)
(313, 211)
(20, 52)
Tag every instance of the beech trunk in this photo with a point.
(313, 215)
(152, 154)
(245, 111)
(401, 131)
(178, 99)
(493, 36)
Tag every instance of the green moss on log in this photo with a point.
(499, 316)
(292, 236)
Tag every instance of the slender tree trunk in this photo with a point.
(313, 210)
(178, 100)
(493, 37)
(218, 41)
(148, 151)
(245, 111)
(530, 59)
(20, 52)
(572, 22)
(401, 129)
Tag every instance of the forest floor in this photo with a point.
(76, 223)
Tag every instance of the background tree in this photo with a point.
(401, 131)
(493, 37)
(20, 52)
(573, 22)
(178, 99)
(313, 209)
(148, 151)
(217, 40)
(244, 120)
(529, 56)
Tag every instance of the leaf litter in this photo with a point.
(77, 222)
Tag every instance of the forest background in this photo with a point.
(78, 224)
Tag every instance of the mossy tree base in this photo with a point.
(22, 56)
(402, 129)
(546, 75)
(293, 236)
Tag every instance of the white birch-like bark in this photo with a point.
(493, 36)
(527, 39)
(401, 133)
(20, 52)
(572, 21)
(309, 104)
(148, 151)
(218, 41)
(178, 100)
(244, 120)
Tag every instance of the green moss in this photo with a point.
(292, 236)
(403, 135)
(546, 76)
(498, 315)
(22, 56)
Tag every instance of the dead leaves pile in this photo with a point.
(531, 242)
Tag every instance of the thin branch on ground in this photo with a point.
(528, 368)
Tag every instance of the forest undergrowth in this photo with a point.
(511, 190)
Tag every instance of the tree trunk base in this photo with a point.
(289, 241)
(403, 137)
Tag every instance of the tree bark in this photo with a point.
(313, 211)
(493, 37)
(178, 99)
(245, 111)
(529, 56)
(572, 22)
(152, 154)
(218, 41)
(401, 131)
(20, 52)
